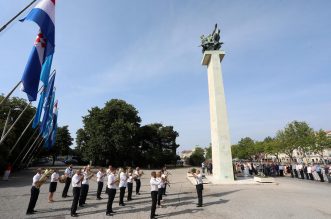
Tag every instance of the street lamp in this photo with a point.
(8, 116)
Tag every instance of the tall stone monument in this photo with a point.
(220, 135)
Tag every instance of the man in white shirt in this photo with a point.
(52, 186)
(85, 185)
(34, 192)
(122, 185)
(76, 185)
(137, 174)
(310, 173)
(154, 191)
(100, 178)
(69, 172)
(108, 172)
(199, 186)
(130, 183)
(161, 178)
(112, 185)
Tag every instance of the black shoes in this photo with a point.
(122, 204)
(99, 198)
(29, 212)
(109, 214)
(138, 193)
(199, 206)
(74, 215)
(81, 206)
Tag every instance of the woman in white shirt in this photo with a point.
(52, 186)
(100, 177)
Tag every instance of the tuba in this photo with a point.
(47, 173)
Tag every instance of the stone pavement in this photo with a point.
(288, 198)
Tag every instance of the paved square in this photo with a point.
(288, 198)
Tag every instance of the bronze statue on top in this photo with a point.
(212, 41)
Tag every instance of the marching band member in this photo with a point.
(154, 190)
(166, 174)
(34, 193)
(161, 178)
(130, 183)
(85, 186)
(68, 173)
(52, 186)
(76, 186)
(111, 191)
(100, 177)
(108, 172)
(122, 185)
(137, 174)
(199, 186)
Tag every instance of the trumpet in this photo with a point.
(62, 178)
(44, 177)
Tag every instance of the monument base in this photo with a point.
(264, 179)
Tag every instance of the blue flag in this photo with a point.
(48, 98)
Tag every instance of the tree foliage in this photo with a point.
(113, 133)
(16, 105)
(197, 157)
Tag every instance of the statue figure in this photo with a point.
(212, 41)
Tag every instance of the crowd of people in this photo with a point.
(314, 171)
(117, 178)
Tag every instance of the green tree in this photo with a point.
(16, 105)
(109, 133)
(197, 157)
(62, 143)
(296, 135)
(322, 142)
(209, 152)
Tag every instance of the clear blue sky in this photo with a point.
(277, 66)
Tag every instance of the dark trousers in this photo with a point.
(33, 199)
(199, 188)
(311, 177)
(106, 189)
(130, 186)
(307, 176)
(296, 173)
(154, 200)
(159, 196)
(138, 183)
(292, 175)
(281, 172)
(165, 188)
(122, 192)
(66, 187)
(100, 186)
(111, 196)
(83, 194)
(301, 174)
(321, 176)
(76, 193)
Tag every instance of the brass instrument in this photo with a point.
(62, 178)
(47, 173)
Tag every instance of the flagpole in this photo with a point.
(26, 145)
(26, 128)
(4, 137)
(30, 148)
(34, 151)
(10, 93)
(11, 20)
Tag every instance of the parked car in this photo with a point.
(70, 161)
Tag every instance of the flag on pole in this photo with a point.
(50, 137)
(44, 15)
(31, 75)
(48, 104)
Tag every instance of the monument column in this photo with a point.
(220, 135)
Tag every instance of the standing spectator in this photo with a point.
(319, 172)
(309, 171)
(203, 166)
(7, 172)
(210, 167)
(281, 170)
(305, 170)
